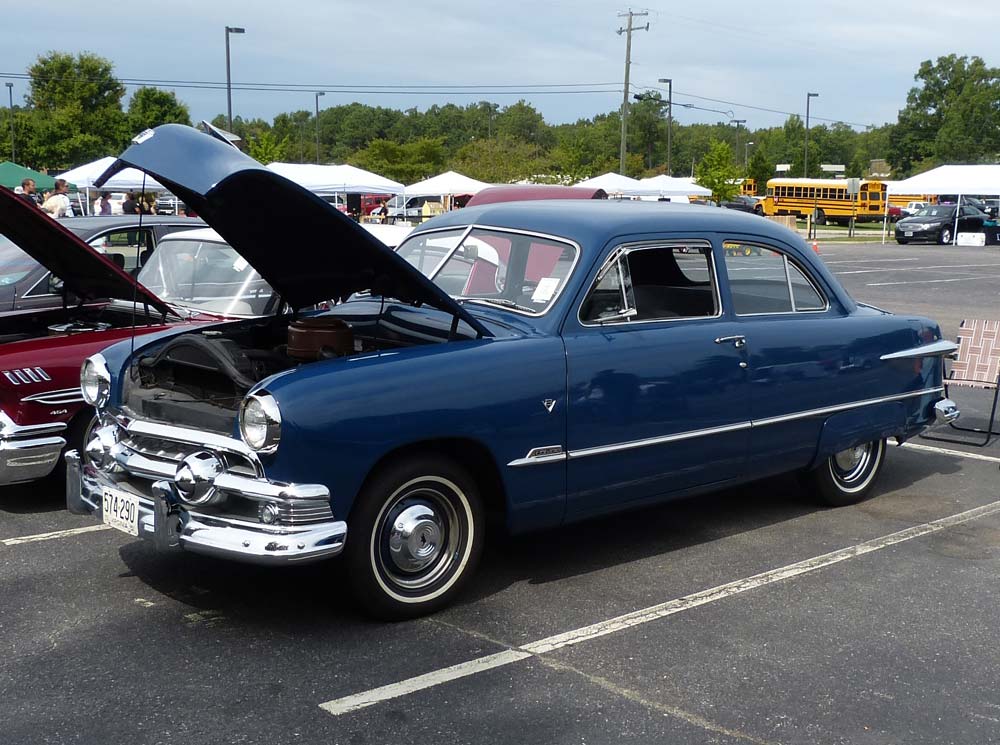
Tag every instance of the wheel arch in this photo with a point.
(846, 429)
(469, 453)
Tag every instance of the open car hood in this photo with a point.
(84, 272)
(303, 246)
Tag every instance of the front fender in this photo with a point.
(340, 417)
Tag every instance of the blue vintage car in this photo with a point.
(543, 361)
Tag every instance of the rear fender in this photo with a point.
(846, 429)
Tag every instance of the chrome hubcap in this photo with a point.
(415, 538)
(852, 463)
(419, 536)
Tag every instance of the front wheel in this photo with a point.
(847, 477)
(902, 241)
(945, 237)
(416, 535)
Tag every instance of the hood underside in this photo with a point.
(83, 271)
(303, 246)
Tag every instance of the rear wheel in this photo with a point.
(416, 536)
(847, 477)
(819, 216)
(945, 236)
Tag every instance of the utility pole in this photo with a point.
(670, 117)
(738, 122)
(627, 30)
(10, 98)
(229, 77)
(318, 94)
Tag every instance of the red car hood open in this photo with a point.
(84, 272)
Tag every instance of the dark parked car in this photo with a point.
(559, 360)
(26, 284)
(743, 203)
(936, 222)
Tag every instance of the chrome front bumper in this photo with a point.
(28, 452)
(170, 526)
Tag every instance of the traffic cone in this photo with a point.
(815, 246)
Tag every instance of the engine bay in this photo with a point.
(199, 378)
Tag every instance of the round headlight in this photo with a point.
(95, 381)
(260, 422)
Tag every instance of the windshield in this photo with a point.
(206, 276)
(936, 211)
(15, 264)
(525, 273)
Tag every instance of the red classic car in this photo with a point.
(42, 349)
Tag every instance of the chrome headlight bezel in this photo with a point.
(95, 381)
(260, 422)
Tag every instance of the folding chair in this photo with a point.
(977, 365)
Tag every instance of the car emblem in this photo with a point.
(549, 404)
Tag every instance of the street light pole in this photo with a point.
(805, 167)
(229, 78)
(318, 94)
(10, 99)
(670, 116)
(746, 155)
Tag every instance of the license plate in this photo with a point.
(908, 234)
(121, 511)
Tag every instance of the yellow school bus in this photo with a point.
(826, 199)
(748, 187)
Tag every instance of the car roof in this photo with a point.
(87, 226)
(597, 221)
(390, 235)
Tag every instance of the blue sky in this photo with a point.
(859, 56)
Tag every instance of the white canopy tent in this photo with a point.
(336, 179)
(129, 179)
(448, 183)
(672, 186)
(614, 183)
(952, 180)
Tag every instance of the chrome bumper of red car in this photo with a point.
(28, 452)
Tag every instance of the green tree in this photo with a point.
(499, 160)
(520, 121)
(407, 163)
(151, 107)
(951, 115)
(647, 130)
(76, 110)
(760, 169)
(717, 172)
(266, 147)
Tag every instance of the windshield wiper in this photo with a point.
(496, 301)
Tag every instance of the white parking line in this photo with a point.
(51, 536)
(915, 268)
(949, 451)
(932, 281)
(872, 261)
(357, 701)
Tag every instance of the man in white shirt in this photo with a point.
(59, 204)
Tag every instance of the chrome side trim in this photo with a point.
(845, 407)
(935, 349)
(544, 454)
(601, 449)
(9, 430)
(692, 434)
(55, 398)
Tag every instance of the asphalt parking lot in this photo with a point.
(749, 615)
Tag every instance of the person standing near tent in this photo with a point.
(59, 204)
(104, 204)
(130, 206)
(29, 192)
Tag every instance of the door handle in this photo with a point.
(737, 341)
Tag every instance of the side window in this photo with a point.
(652, 283)
(127, 248)
(762, 280)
